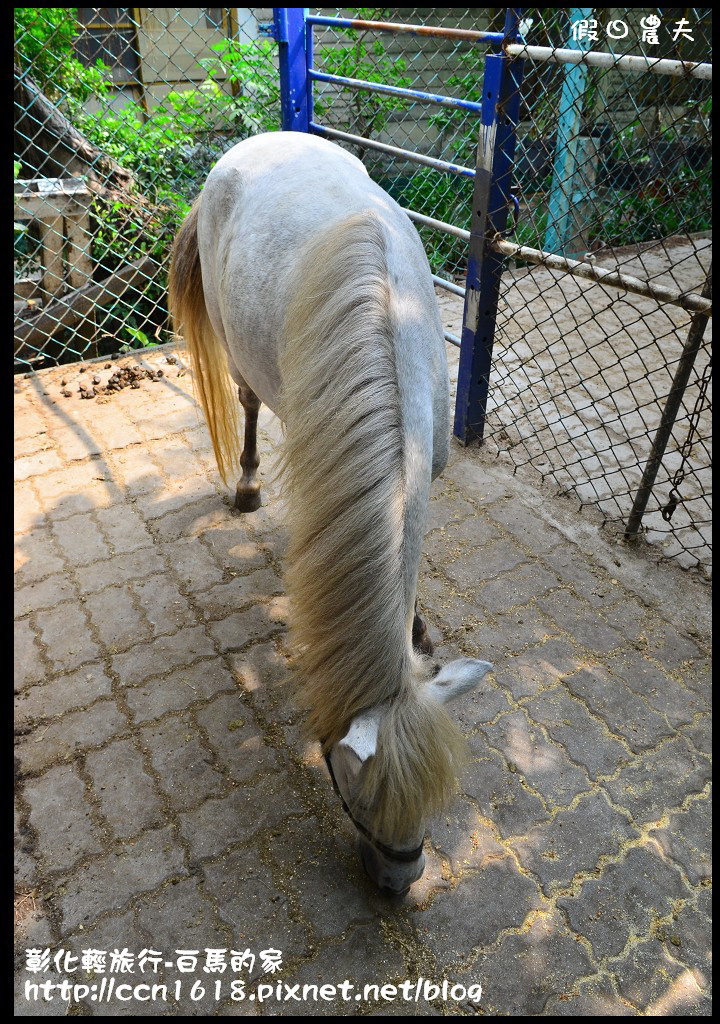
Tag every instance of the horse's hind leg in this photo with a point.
(247, 495)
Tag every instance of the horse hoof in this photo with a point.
(247, 501)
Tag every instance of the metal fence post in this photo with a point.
(294, 82)
(669, 415)
(496, 149)
(568, 191)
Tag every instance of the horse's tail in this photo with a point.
(208, 357)
(344, 462)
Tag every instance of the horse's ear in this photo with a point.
(456, 679)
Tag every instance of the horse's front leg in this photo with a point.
(420, 636)
(247, 495)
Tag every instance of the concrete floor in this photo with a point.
(167, 800)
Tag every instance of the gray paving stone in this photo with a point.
(509, 633)
(235, 737)
(700, 734)
(44, 594)
(192, 520)
(460, 539)
(323, 881)
(502, 898)
(499, 792)
(573, 842)
(193, 564)
(590, 581)
(29, 665)
(105, 883)
(624, 901)
(517, 587)
(569, 723)
(123, 528)
(63, 693)
(221, 601)
(664, 695)
(60, 817)
(265, 675)
(545, 766)
(80, 540)
(463, 838)
(479, 706)
(118, 569)
(162, 655)
(687, 840)
(243, 628)
(37, 555)
(660, 781)
(166, 610)
(25, 865)
(623, 711)
(688, 938)
(179, 689)
(446, 507)
(67, 639)
(650, 979)
(184, 766)
(127, 794)
(217, 824)
(116, 618)
(69, 736)
(525, 971)
(581, 621)
(365, 956)
(591, 999)
(470, 571)
(539, 668)
(258, 912)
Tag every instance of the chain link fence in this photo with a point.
(119, 115)
(121, 112)
(613, 169)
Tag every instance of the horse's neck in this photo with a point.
(358, 460)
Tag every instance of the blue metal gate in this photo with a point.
(498, 114)
(488, 247)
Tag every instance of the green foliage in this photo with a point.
(680, 204)
(364, 58)
(44, 49)
(255, 102)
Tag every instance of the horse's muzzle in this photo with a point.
(393, 877)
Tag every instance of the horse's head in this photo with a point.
(394, 859)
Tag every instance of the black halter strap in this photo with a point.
(404, 856)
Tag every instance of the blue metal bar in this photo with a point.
(496, 148)
(566, 190)
(415, 30)
(383, 147)
(393, 90)
(294, 84)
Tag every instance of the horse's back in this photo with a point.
(266, 200)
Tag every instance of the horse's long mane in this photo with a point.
(344, 468)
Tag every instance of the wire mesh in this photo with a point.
(611, 168)
(119, 115)
(121, 112)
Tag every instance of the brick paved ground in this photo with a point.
(166, 798)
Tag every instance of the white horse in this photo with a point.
(304, 279)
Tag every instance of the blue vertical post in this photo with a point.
(502, 79)
(566, 188)
(290, 32)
